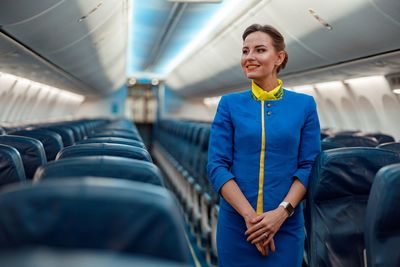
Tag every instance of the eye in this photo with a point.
(245, 51)
(261, 50)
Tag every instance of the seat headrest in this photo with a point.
(347, 171)
(11, 167)
(393, 146)
(382, 235)
(382, 203)
(113, 140)
(93, 213)
(67, 134)
(325, 145)
(353, 141)
(45, 257)
(31, 151)
(117, 133)
(102, 166)
(104, 149)
(52, 141)
(381, 138)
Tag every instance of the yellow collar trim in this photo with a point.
(263, 95)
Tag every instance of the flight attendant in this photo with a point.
(263, 144)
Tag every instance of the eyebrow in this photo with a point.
(257, 46)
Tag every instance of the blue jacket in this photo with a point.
(292, 134)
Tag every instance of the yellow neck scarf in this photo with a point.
(260, 94)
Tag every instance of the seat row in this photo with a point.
(344, 172)
(350, 212)
(102, 192)
(184, 146)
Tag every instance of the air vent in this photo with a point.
(90, 12)
(320, 19)
(394, 82)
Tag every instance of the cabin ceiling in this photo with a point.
(93, 46)
(84, 41)
(361, 29)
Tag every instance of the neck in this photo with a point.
(267, 84)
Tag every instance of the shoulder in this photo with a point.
(236, 96)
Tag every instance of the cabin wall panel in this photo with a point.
(372, 94)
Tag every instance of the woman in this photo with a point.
(263, 144)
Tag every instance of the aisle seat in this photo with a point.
(382, 233)
(11, 166)
(31, 151)
(104, 149)
(102, 166)
(339, 187)
(52, 141)
(97, 214)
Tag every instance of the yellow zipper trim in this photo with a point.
(260, 208)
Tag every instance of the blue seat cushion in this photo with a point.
(31, 151)
(52, 141)
(102, 166)
(96, 214)
(11, 167)
(104, 149)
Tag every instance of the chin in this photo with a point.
(252, 76)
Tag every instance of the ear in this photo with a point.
(280, 58)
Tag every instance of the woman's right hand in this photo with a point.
(262, 248)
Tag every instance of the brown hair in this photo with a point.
(277, 39)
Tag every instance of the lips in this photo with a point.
(251, 67)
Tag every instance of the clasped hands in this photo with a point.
(261, 229)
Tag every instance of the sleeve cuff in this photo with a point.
(302, 177)
(222, 179)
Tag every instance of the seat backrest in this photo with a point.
(44, 257)
(52, 141)
(93, 214)
(337, 197)
(353, 141)
(117, 133)
(104, 149)
(382, 232)
(325, 145)
(393, 146)
(381, 138)
(11, 167)
(113, 140)
(102, 166)
(31, 151)
(66, 133)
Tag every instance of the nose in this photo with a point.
(249, 56)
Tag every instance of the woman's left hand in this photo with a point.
(266, 225)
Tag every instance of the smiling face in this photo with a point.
(260, 59)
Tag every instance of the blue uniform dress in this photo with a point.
(292, 142)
